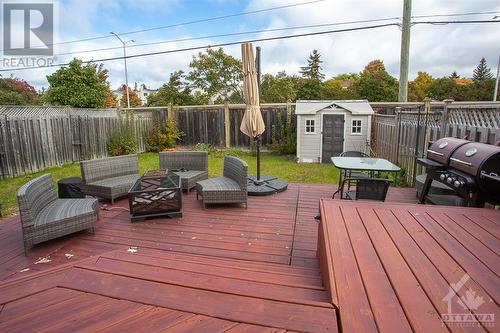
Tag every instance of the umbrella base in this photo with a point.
(266, 185)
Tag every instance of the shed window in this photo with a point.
(310, 126)
(356, 126)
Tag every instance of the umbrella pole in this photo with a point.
(258, 158)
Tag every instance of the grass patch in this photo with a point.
(282, 166)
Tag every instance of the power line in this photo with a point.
(190, 22)
(140, 55)
(272, 30)
(456, 14)
(231, 34)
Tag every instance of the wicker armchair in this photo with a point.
(111, 177)
(190, 166)
(230, 188)
(45, 217)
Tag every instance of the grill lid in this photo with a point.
(441, 150)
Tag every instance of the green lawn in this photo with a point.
(275, 165)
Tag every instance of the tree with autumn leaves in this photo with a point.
(14, 91)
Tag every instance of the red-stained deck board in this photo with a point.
(32, 302)
(422, 314)
(207, 267)
(153, 320)
(432, 266)
(463, 255)
(372, 252)
(221, 305)
(200, 280)
(384, 303)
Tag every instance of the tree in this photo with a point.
(14, 91)
(446, 88)
(482, 72)
(111, 101)
(375, 84)
(78, 85)
(341, 86)
(135, 100)
(278, 88)
(454, 76)
(418, 89)
(176, 92)
(309, 89)
(217, 74)
(313, 68)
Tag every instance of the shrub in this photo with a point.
(158, 140)
(122, 142)
(209, 148)
(284, 138)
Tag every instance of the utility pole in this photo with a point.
(496, 82)
(125, 60)
(405, 52)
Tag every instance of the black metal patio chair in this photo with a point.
(365, 188)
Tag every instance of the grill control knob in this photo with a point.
(457, 183)
(449, 180)
(443, 177)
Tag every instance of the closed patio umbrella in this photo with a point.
(252, 123)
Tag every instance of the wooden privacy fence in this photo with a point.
(34, 138)
(404, 136)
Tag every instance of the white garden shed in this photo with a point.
(327, 128)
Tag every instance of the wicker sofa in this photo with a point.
(190, 166)
(111, 177)
(45, 217)
(230, 188)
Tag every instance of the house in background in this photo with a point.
(327, 128)
(142, 91)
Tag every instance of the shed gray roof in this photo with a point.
(358, 107)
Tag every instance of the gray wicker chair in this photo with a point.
(45, 217)
(230, 188)
(190, 166)
(111, 177)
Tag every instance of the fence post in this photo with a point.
(170, 112)
(227, 124)
(445, 118)
(288, 112)
(398, 131)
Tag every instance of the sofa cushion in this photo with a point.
(62, 209)
(118, 184)
(219, 184)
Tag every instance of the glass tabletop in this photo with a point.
(364, 163)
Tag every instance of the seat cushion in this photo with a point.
(219, 184)
(189, 173)
(120, 184)
(62, 209)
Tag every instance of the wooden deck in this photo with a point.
(226, 269)
(390, 268)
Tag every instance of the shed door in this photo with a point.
(333, 136)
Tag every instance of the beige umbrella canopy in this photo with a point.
(252, 124)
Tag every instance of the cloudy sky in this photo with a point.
(437, 49)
